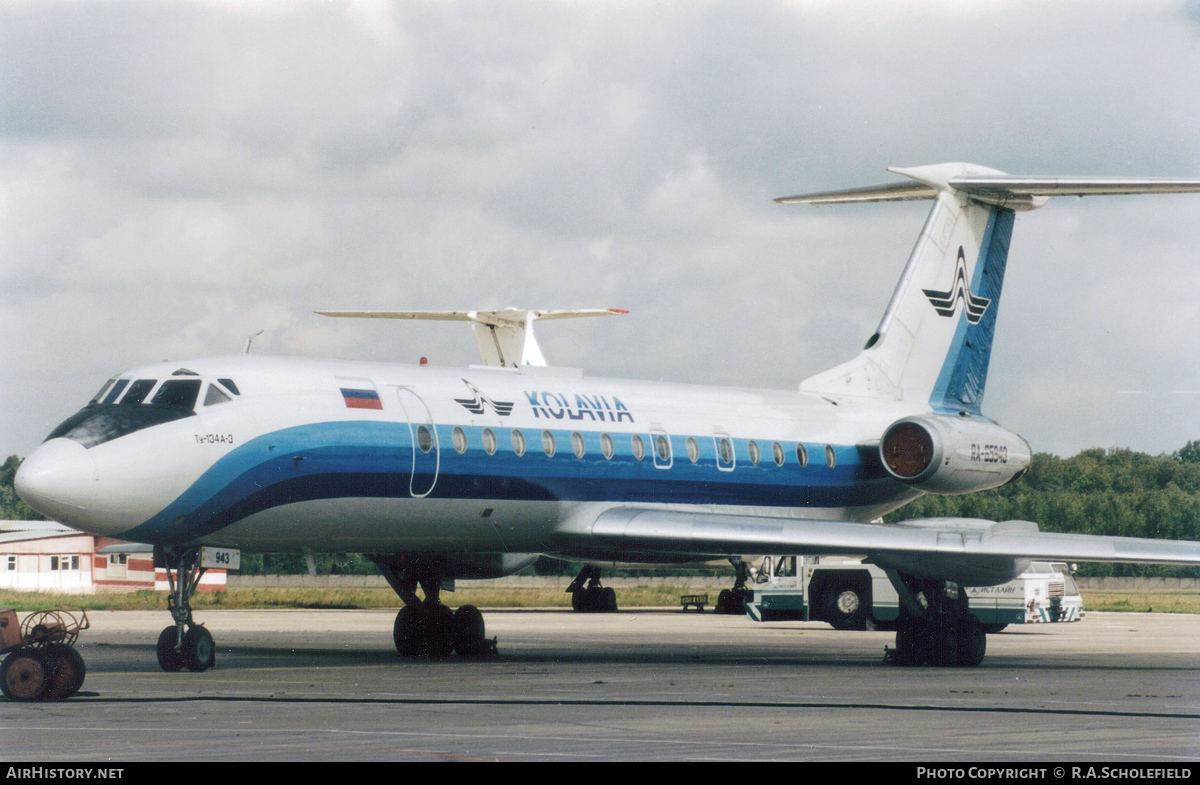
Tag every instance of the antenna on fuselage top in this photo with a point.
(504, 338)
(250, 340)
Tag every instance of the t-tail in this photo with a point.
(935, 339)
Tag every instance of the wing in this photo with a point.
(968, 551)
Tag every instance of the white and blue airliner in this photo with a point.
(448, 473)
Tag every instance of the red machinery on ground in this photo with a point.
(41, 662)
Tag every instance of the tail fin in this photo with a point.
(935, 339)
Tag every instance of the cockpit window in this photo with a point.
(115, 391)
(215, 396)
(138, 391)
(178, 394)
(229, 385)
(96, 398)
(94, 424)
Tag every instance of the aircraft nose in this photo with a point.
(58, 480)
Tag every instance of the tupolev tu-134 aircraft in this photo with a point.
(440, 474)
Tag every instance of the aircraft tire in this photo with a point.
(439, 630)
(408, 632)
(25, 675)
(469, 631)
(910, 646)
(199, 650)
(972, 645)
(608, 600)
(168, 659)
(993, 627)
(946, 644)
(68, 670)
(725, 602)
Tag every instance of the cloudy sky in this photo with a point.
(175, 176)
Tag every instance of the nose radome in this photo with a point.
(58, 480)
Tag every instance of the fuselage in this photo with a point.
(275, 454)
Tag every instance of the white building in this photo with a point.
(49, 557)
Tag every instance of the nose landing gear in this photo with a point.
(185, 644)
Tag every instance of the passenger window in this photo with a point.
(830, 456)
(638, 446)
(548, 443)
(518, 442)
(577, 445)
(693, 450)
(489, 441)
(115, 392)
(178, 394)
(802, 455)
(138, 391)
(606, 446)
(777, 452)
(460, 440)
(215, 396)
(755, 453)
(424, 438)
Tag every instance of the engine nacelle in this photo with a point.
(952, 455)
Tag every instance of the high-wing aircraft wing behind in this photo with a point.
(441, 473)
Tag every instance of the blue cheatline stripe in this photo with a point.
(960, 384)
(372, 459)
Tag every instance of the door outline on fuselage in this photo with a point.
(657, 433)
(417, 414)
(720, 435)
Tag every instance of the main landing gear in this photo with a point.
(185, 644)
(935, 626)
(426, 626)
(733, 601)
(588, 596)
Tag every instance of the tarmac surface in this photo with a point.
(300, 685)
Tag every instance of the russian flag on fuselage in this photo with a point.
(361, 399)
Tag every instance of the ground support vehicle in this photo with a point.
(852, 595)
(41, 661)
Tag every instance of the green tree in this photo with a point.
(1189, 453)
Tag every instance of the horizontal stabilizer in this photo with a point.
(891, 192)
(505, 338)
(992, 186)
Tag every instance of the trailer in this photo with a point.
(853, 595)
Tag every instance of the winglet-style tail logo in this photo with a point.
(946, 303)
(475, 405)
